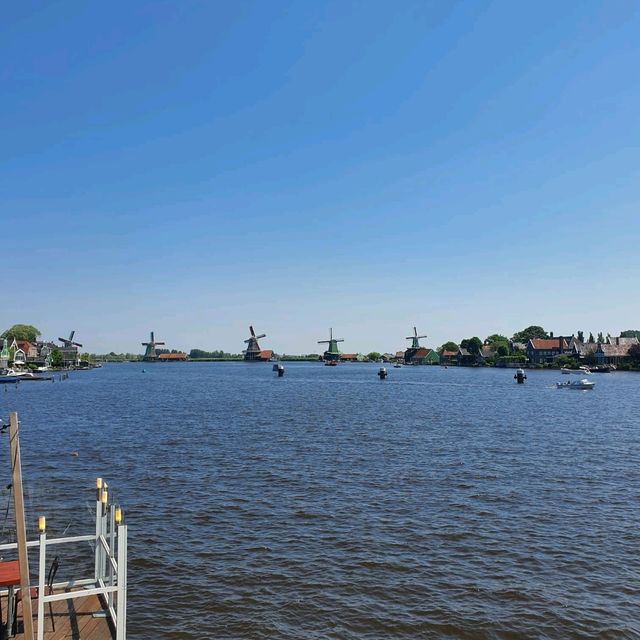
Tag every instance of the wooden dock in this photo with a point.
(74, 620)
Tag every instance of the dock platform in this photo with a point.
(74, 620)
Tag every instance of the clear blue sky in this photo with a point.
(194, 167)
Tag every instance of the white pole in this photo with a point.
(112, 539)
(98, 523)
(121, 622)
(41, 584)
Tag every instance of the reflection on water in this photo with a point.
(439, 503)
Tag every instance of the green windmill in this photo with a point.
(415, 345)
(332, 354)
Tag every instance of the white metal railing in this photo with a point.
(110, 565)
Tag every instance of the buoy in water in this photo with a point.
(280, 371)
(520, 376)
(382, 373)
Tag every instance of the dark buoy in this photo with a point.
(280, 371)
(520, 376)
(382, 373)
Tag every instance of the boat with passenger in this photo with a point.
(576, 384)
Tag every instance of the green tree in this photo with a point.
(530, 333)
(630, 333)
(472, 345)
(448, 346)
(600, 337)
(503, 350)
(581, 336)
(22, 332)
(56, 358)
(374, 356)
(591, 338)
(495, 338)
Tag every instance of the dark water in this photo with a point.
(440, 503)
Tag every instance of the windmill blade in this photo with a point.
(415, 332)
(253, 333)
(75, 344)
(262, 335)
(71, 335)
(151, 337)
(63, 340)
(159, 343)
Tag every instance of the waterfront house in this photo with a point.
(546, 350)
(466, 358)
(173, 357)
(614, 350)
(448, 357)
(348, 357)
(487, 352)
(424, 355)
(581, 350)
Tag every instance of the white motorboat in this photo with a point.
(585, 370)
(20, 373)
(576, 384)
(397, 365)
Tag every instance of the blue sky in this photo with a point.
(196, 167)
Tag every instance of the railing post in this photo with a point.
(121, 615)
(103, 531)
(98, 525)
(112, 539)
(42, 568)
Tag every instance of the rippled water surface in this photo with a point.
(440, 503)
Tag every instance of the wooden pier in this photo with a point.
(73, 619)
(91, 606)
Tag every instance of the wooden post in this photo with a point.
(21, 529)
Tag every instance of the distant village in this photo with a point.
(532, 347)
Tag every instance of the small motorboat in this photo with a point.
(581, 385)
(331, 363)
(397, 365)
(585, 370)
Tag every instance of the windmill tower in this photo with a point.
(68, 343)
(150, 354)
(415, 345)
(69, 350)
(332, 353)
(253, 350)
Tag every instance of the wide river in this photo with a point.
(439, 503)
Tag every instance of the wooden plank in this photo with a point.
(21, 529)
(74, 621)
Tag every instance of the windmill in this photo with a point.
(253, 350)
(150, 354)
(68, 343)
(415, 345)
(332, 354)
